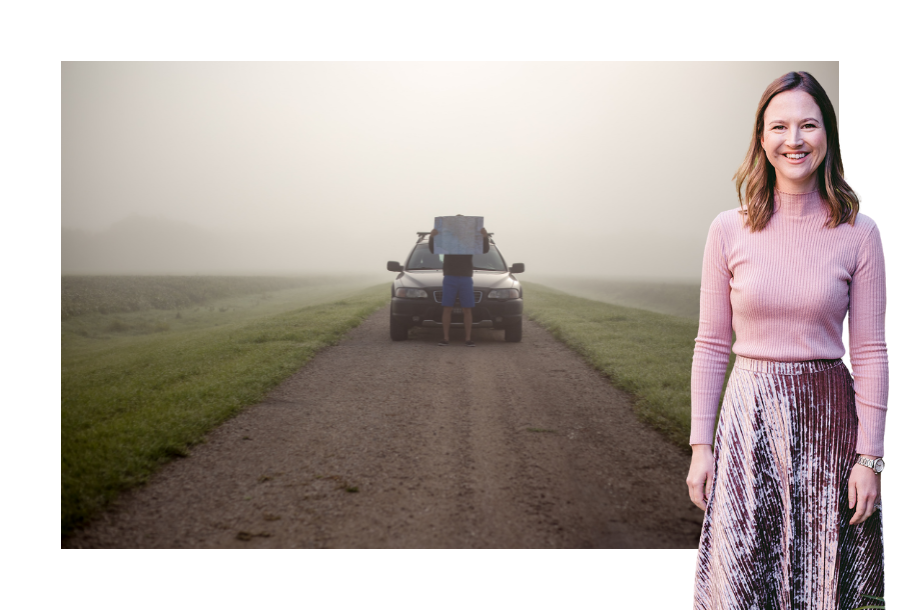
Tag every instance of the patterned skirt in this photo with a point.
(776, 534)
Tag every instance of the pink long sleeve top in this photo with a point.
(785, 291)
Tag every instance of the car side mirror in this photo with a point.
(395, 266)
(517, 268)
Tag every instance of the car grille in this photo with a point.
(439, 294)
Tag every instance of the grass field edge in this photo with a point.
(72, 520)
(643, 406)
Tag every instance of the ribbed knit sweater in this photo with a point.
(785, 291)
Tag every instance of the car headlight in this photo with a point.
(505, 293)
(411, 293)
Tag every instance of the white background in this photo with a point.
(37, 36)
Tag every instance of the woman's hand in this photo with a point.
(863, 491)
(700, 476)
(434, 231)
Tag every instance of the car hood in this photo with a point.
(489, 280)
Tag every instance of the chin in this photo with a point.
(799, 178)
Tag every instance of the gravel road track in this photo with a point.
(381, 444)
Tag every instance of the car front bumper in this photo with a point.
(489, 313)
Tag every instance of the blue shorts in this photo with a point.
(461, 285)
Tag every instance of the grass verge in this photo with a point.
(103, 294)
(680, 299)
(644, 353)
(132, 402)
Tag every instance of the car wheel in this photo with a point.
(513, 332)
(399, 330)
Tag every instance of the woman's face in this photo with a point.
(794, 139)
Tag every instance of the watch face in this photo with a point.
(879, 465)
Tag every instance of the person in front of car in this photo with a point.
(458, 271)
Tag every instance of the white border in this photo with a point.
(43, 33)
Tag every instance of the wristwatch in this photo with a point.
(877, 464)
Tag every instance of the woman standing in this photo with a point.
(792, 491)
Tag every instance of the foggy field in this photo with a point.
(141, 387)
(127, 293)
(669, 297)
(645, 353)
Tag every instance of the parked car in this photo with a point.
(417, 290)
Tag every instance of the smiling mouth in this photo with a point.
(796, 156)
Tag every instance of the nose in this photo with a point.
(795, 137)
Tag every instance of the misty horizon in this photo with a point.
(593, 168)
(159, 246)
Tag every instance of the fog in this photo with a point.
(587, 169)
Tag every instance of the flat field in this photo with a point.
(383, 444)
(140, 387)
(673, 298)
(645, 353)
(104, 294)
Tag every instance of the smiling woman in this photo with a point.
(792, 489)
(796, 132)
(794, 140)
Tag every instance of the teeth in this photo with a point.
(796, 155)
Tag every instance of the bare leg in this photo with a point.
(448, 311)
(467, 322)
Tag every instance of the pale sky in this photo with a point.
(589, 168)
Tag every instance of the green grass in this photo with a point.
(141, 388)
(104, 294)
(672, 298)
(644, 353)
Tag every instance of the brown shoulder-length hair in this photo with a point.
(755, 178)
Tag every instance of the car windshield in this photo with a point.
(422, 259)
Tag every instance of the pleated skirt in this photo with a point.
(776, 534)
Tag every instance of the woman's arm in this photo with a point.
(711, 351)
(700, 476)
(868, 357)
(868, 350)
(863, 491)
(713, 343)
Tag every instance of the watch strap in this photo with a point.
(877, 464)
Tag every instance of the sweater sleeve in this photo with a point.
(713, 344)
(431, 243)
(868, 350)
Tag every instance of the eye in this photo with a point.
(810, 125)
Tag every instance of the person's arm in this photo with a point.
(431, 240)
(487, 241)
(700, 476)
(713, 344)
(868, 357)
(711, 351)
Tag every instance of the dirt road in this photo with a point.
(377, 444)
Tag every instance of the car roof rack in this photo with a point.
(423, 234)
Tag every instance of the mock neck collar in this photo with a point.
(798, 204)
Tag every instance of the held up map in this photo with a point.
(458, 235)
